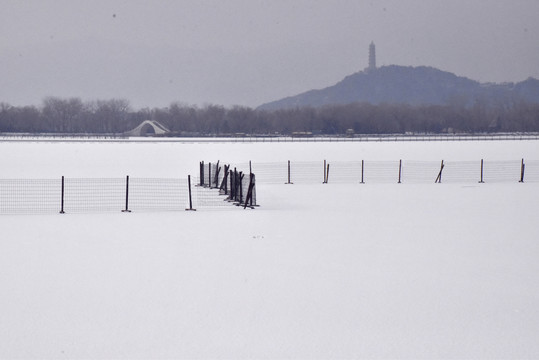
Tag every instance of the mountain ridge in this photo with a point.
(422, 85)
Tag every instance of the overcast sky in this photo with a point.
(248, 52)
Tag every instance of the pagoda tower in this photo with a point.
(372, 57)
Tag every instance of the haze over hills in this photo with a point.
(410, 85)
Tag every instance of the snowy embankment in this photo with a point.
(325, 271)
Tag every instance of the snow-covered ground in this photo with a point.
(318, 271)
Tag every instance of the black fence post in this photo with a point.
(201, 182)
(362, 170)
(241, 175)
(209, 175)
(126, 195)
(289, 173)
(522, 168)
(249, 197)
(62, 205)
(481, 181)
(232, 184)
(323, 182)
(217, 171)
(224, 184)
(400, 171)
(439, 177)
(190, 198)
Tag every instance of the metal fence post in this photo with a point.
(62, 205)
(522, 168)
(126, 195)
(400, 171)
(362, 168)
(190, 198)
(288, 173)
(481, 181)
(201, 182)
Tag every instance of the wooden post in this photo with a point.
(400, 171)
(249, 197)
(190, 199)
(216, 177)
(439, 177)
(323, 182)
(62, 205)
(209, 174)
(232, 184)
(522, 168)
(327, 174)
(201, 173)
(481, 181)
(224, 184)
(126, 195)
(362, 169)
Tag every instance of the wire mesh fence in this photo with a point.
(220, 185)
(100, 195)
(237, 186)
(84, 195)
(399, 171)
(29, 196)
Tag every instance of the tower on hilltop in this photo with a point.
(372, 57)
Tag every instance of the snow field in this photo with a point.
(318, 271)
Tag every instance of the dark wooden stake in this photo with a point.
(249, 197)
(327, 174)
(400, 171)
(224, 184)
(241, 175)
(62, 205)
(190, 198)
(217, 171)
(201, 173)
(323, 182)
(126, 195)
(209, 174)
(362, 169)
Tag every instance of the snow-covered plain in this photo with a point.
(318, 271)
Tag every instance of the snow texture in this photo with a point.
(318, 271)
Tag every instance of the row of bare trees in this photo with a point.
(73, 116)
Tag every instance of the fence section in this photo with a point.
(398, 171)
(30, 196)
(237, 186)
(83, 195)
(98, 195)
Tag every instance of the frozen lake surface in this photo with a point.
(318, 271)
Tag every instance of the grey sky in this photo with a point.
(248, 52)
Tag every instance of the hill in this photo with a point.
(409, 85)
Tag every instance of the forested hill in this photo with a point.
(413, 86)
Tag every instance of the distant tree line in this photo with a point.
(73, 116)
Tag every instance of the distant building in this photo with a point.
(148, 128)
(372, 57)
